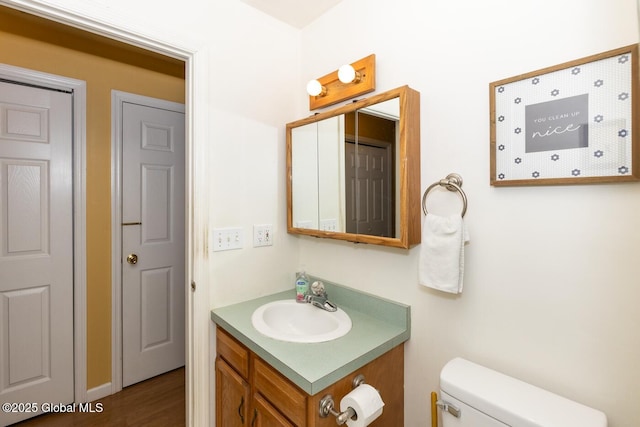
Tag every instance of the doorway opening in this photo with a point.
(135, 47)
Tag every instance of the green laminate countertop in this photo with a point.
(378, 326)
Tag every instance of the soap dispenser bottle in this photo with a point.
(302, 285)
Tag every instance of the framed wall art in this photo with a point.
(573, 123)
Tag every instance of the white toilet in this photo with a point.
(474, 396)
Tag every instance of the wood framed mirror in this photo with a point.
(353, 173)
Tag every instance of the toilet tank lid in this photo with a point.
(512, 401)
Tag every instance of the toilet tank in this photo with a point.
(486, 398)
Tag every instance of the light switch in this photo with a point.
(328, 224)
(225, 239)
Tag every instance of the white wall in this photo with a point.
(551, 284)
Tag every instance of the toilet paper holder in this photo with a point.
(327, 404)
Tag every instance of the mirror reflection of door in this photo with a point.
(369, 174)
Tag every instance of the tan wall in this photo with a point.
(29, 43)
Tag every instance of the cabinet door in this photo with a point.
(265, 415)
(281, 393)
(232, 396)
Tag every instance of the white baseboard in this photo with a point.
(99, 392)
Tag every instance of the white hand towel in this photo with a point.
(442, 253)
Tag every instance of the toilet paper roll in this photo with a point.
(367, 403)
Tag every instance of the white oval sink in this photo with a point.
(288, 320)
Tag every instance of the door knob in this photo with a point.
(132, 259)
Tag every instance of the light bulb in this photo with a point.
(314, 88)
(347, 74)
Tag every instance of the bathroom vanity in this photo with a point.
(262, 381)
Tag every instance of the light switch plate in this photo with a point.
(225, 239)
(328, 224)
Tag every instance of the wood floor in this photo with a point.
(159, 401)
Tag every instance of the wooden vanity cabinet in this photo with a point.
(265, 415)
(249, 392)
(232, 371)
(233, 403)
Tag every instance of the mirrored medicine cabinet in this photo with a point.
(353, 173)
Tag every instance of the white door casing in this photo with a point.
(153, 229)
(197, 76)
(36, 253)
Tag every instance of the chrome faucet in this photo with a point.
(318, 297)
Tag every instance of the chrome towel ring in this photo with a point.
(453, 182)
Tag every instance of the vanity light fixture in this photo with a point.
(348, 81)
(348, 74)
(315, 88)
